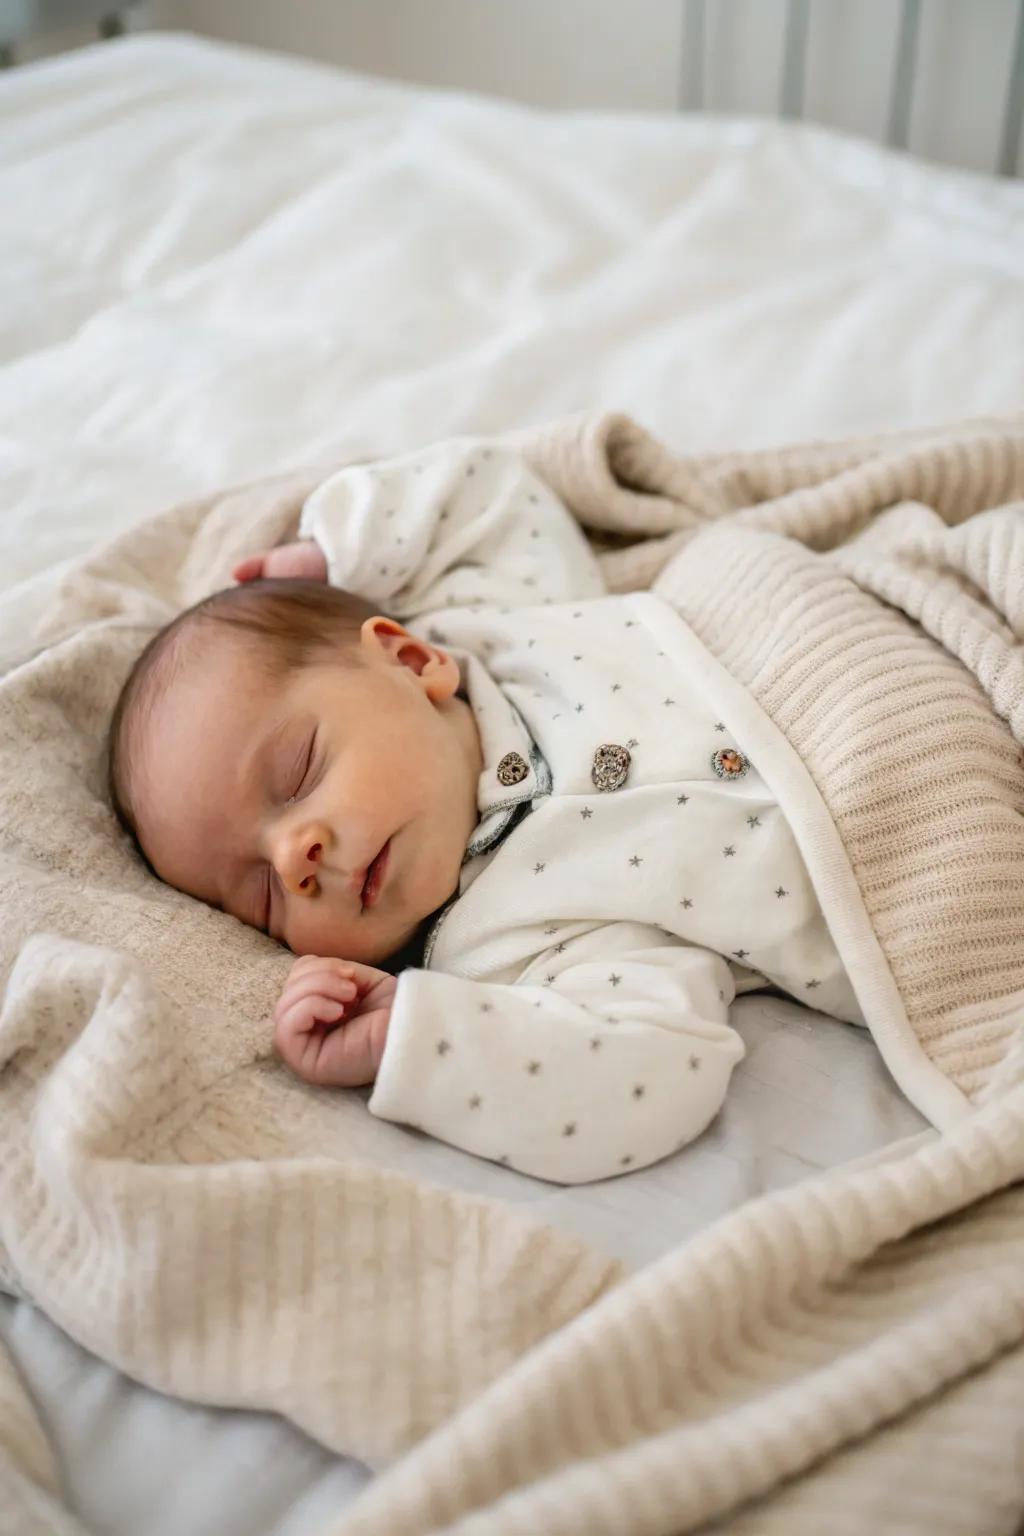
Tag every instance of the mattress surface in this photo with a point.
(224, 264)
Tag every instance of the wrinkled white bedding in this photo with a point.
(224, 263)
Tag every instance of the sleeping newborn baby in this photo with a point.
(427, 733)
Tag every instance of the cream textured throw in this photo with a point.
(845, 1355)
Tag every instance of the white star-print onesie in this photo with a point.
(571, 1015)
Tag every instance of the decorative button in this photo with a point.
(611, 764)
(512, 769)
(729, 764)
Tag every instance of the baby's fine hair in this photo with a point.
(293, 623)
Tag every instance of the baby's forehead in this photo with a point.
(201, 661)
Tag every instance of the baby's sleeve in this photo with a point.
(462, 523)
(601, 1058)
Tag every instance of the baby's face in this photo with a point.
(272, 798)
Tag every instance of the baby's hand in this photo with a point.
(331, 1020)
(305, 559)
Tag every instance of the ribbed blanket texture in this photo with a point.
(845, 1355)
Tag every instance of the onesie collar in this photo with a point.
(505, 739)
(515, 770)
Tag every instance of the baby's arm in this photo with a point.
(599, 1059)
(463, 522)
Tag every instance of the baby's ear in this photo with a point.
(438, 671)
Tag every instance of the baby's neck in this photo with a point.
(463, 723)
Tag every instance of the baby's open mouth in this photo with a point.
(375, 876)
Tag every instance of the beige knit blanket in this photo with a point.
(843, 1356)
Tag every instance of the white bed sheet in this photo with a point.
(225, 263)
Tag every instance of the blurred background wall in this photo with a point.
(632, 54)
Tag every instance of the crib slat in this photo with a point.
(794, 58)
(1013, 109)
(903, 74)
(692, 72)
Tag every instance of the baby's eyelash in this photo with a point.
(305, 771)
(267, 880)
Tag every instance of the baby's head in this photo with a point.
(272, 740)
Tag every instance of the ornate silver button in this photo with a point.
(729, 764)
(611, 764)
(512, 769)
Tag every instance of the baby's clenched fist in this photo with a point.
(331, 1020)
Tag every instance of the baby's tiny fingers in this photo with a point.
(305, 988)
(303, 1016)
(248, 569)
(327, 963)
(319, 977)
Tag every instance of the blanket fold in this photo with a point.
(219, 1231)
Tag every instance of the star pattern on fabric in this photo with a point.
(692, 1062)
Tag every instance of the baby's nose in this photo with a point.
(313, 854)
(296, 859)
